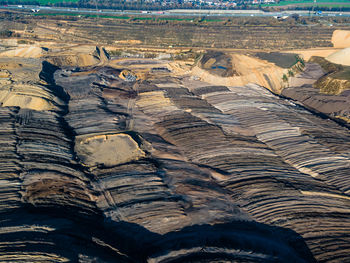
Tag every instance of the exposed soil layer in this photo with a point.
(168, 168)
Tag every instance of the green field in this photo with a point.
(41, 2)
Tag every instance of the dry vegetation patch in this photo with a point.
(336, 79)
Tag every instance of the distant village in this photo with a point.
(211, 3)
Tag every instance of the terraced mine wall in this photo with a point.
(241, 37)
(170, 169)
(265, 34)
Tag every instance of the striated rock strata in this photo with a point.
(170, 169)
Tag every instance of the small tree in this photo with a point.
(300, 60)
(6, 33)
(285, 78)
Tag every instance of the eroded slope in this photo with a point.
(170, 169)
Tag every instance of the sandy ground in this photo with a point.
(61, 55)
(341, 38)
(319, 52)
(25, 52)
(341, 57)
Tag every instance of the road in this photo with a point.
(176, 12)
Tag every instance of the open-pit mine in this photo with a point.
(127, 153)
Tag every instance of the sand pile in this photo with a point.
(28, 96)
(341, 38)
(306, 54)
(341, 57)
(80, 60)
(25, 52)
(247, 70)
(79, 56)
(75, 56)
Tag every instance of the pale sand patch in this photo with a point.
(250, 70)
(29, 97)
(108, 150)
(341, 57)
(306, 54)
(25, 52)
(341, 38)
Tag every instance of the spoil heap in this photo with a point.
(238, 69)
(342, 57)
(341, 38)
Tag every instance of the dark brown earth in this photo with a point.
(170, 169)
(320, 90)
(137, 160)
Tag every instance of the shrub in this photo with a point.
(6, 33)
(285, 78)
